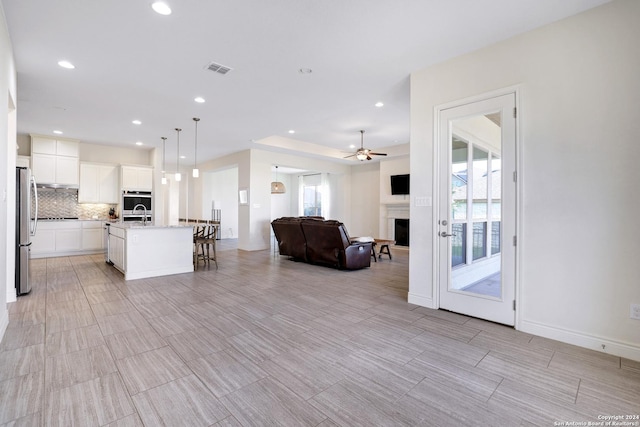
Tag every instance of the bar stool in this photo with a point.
(205, 242)
(198, 234)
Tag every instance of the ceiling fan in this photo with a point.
(364, 153)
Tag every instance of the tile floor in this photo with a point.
(267, 341)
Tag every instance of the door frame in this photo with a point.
(437, 110)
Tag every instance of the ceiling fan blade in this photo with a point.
(378, 154)
(351, 155)
(368, 156)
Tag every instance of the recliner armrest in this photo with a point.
(357, 255)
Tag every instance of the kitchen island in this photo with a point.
(141, 251)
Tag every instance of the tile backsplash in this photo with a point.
(64, 203)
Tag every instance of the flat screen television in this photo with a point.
(400, 184)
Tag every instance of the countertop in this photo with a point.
(73, 219)
(140, 226)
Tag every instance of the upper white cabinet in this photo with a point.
(23, 161)
(55, 161)
(98, 183)
(137, 178)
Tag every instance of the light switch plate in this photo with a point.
(422, 201)
(635, 311)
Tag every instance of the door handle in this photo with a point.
(445, 234)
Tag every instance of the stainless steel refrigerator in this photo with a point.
(26, 224)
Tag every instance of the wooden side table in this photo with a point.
(384, 247)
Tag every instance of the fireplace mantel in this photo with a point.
(391, 212)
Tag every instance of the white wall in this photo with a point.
(365, 199)
(395, 166)
(221, 187)
(579, 126)
(7, 171)
(117, 155)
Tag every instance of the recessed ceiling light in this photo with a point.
(292, 131)
(136, 122)
(161, 7)
(379, 104)
(66, 64)
(138, 143)
(352, 146)
(57, 132)
(305, 71)
(183, 157)
(199, 99)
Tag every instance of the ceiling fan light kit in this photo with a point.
(364, 153)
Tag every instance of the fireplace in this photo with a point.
(401, 231)
(394, 212)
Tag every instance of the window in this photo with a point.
(476, 195)
(479, 240)
(312, 200)
(495, 238)
(458, 244)
(312, 195)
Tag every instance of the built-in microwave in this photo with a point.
(131, 199)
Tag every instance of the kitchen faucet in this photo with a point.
(144, 218)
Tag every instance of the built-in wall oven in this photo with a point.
(132, 205)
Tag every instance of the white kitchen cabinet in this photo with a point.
(55, 161)
(43, 168)
(67, 170)
(108, 184)
(138, 178)
(117, 248)
(63, 238)
(43, 145)
(44, 242)
(150, 251)
(67, 148)
(92, 235)
(98, 183)
(88, 191)
(69, 240)
(23, 161)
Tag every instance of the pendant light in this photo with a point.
(178, 177)
(164, 178)
(276, 186)
(196, 171)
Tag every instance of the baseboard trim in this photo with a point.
(593, 342)
(133, 275)
(420, 300)
(11, 295)
(4, 323)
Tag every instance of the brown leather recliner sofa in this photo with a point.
(318, 241)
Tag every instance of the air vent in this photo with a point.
(218, 68)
